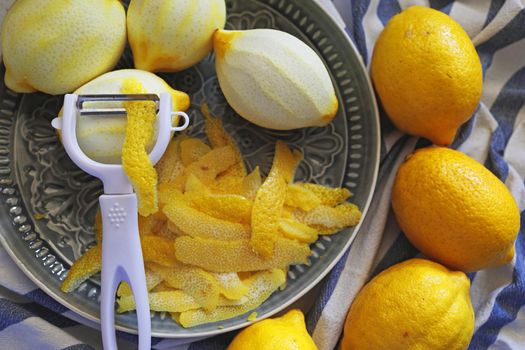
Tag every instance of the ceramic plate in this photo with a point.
(47, 205)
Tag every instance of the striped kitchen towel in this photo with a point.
(494, 136)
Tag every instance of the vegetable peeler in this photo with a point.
(121, 251)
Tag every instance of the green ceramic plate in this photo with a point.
(47, 204)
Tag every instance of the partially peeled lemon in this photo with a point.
(102, 137)
(55, 46)
(273, 79)
(172, 35)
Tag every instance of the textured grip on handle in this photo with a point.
(122, 261)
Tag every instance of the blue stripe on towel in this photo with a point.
(471, 276)
(329, 283)
(390, 158)
(443, 6)
(509, 301)
(133, 338)
(464, 131)
(38, 296)
(400, 250)
(495, 6)
(11, 313)
(350, 34)
(359, 8)
(386, 9)
(505, 109)
(512, 32)
(216, 343)
(328, 286)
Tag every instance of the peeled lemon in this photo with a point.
(414, 305)
(102, 137)
(273, 79)
(287, 332)
(171, 35)
(427, 73)
(55, 46)
(454, 210)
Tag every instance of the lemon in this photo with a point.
(414, 305)
(287, 332)
(427, 73)
(454, 210)
(55, 46)
(102, 137)
(273, 79)
(171, 35)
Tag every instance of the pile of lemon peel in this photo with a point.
(224, 238)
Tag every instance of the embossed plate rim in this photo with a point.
(374, 110)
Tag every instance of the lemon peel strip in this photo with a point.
(218, 137)
(171, 301)
(153, 279)
(237, 255)
(86, 266)
(135, 160)
(199, 284)
(158, 249)
(260, 287)
(269, 200)
(329, 196)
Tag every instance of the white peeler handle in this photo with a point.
(122, 261)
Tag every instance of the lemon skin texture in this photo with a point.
(426, 73)
(413, 305)
(55, 46)
(172, 35)
(454, 210)
(287, 332)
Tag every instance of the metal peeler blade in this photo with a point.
(112, 98)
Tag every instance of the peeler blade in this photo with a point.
(112, 98)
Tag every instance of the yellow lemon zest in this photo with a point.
(201, 285)
(191, 149)
(231, 179)
(327, 195)
(171, 301)
(232, 287)
(251, 183)
(300, 197)
(237, 255)
(269, 200)
(198, 224)
(135, 160)
(158, 250)
(86, 266)
(153, 279)
(260, 286)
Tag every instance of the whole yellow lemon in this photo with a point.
(55, 46)
(454, 210)
(427, 73)
(287, 332)
(414, 305)
(171, 35)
